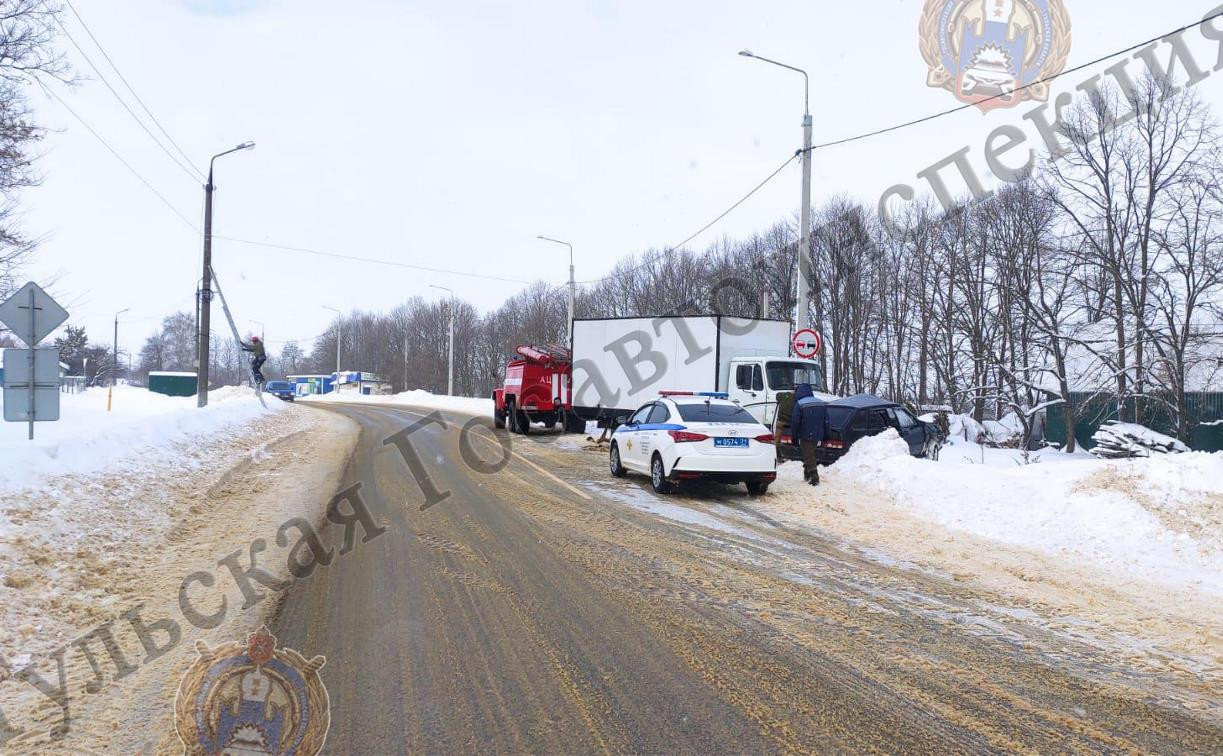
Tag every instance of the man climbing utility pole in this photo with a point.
(201, 354)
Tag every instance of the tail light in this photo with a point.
(766, 438)
(834, 444)
(682, 436)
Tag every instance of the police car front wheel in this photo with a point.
(617, 469)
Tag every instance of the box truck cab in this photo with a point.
(754, 382)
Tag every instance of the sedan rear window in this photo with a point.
(715, 413)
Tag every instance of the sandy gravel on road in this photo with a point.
(1150, 626)
(256, 477)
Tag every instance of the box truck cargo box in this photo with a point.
(621, 363)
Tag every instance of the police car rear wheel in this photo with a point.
(658, 476)
(617, 469)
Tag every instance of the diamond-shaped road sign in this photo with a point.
(32, 314)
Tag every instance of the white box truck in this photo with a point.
(621, 363)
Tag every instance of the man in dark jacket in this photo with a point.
(259, 356)
(807, 422)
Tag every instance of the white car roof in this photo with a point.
(696, 400)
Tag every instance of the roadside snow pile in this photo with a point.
(1116, 440)
(87, 438)
(416, 398)
(1158, 519)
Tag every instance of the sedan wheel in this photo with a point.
(658, 476)
(617, 469)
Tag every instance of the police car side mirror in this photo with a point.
(622, 419)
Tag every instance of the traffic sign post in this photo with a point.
(806, 343)
(31, 374)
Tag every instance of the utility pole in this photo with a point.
(450, 348)
(802, 315)
(114, 375)
(205, 300)
(339, 334)
(201, 385)
(572, 290)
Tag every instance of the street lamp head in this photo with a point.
(746, 53)
(247, 146)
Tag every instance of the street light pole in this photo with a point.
(114, 375)
(802, 319)
(450, 348)
(201, 385)
(339, 333)
(572, 290)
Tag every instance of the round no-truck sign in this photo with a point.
(806, 343)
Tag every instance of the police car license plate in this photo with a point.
(733, 442)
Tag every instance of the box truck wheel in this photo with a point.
(574, 423)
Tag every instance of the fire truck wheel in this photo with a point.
(523, 422)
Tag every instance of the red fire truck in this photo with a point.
(537, 389)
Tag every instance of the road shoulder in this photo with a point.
(277, 467)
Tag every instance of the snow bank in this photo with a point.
(1157, 519)
(140, 425)
(415, 398)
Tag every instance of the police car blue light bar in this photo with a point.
(711, 394)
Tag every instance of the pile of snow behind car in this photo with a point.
(1116, 440)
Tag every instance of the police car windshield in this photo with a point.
(709, 412)
(785, 376)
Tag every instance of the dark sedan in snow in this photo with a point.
(861, 415)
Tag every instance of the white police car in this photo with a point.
(684, 435)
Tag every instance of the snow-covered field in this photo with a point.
(1158, 519)
(141, 429)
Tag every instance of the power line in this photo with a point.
(123, 78)
(357, 258)
(1000, 95)
(126, 107)
(119, 157)
(269, 245)
(707, 226)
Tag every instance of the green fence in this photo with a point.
(1205, 409)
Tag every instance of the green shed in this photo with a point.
(173, 384)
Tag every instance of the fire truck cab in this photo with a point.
(537, 389)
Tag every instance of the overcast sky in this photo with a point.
(448, 135)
